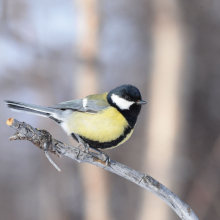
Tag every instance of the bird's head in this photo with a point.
(127, 99)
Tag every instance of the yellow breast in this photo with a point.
(105, 126)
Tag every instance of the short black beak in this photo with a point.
(141, 102)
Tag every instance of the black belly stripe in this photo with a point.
(106, 145)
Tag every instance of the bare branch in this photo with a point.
(44, 140)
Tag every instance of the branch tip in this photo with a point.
(10, 121)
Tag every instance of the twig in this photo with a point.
(51, 161)
(42, 138)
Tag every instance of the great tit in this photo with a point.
(103, 121)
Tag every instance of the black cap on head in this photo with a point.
(128, 92)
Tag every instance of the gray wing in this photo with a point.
(83, 105)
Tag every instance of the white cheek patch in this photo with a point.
(120, 102)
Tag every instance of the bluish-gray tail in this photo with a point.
(35, 109)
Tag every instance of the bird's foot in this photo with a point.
(82, 144)
(104, 157)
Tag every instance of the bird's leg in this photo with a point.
(104, 156)
(82, 143)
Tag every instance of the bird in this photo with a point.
(102, 121)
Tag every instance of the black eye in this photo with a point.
(127, 97)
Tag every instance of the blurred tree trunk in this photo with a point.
(205, 188)
(202, 190)
(86, 83)
(166, 112)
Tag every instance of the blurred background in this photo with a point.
(54, 51)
